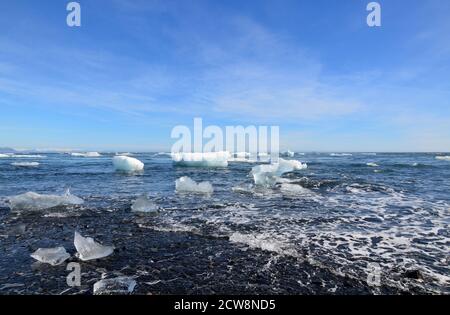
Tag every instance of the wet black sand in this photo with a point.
(161, 262)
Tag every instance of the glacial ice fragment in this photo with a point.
(119, 285)
(127, 164)
(88, 249)
(187, 185)
(34, 201)
(444, 158)
(53, 256)
(205, 159)
(144, 204)
(288, 153)
(87, 154)
(25, 164)
(267, 174)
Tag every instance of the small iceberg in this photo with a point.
(288, 153)
(267, 174)
(144, 204)
(187, 185)
(371, 164)
(30, 156)
(119, 285)
(443, 157)
(53, 256)
(127, 164)
(25, 164)
(207, 159)
(87, 154)
(88, 249)
(35, 201)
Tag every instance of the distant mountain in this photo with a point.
(6, 150)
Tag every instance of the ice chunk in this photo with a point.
(372, 164)
(267, 174)
(127, 164)
(341, 154)
(144, 204)
(187, 185)
(25, 164)
(34, 201)
(206, 159)
(12, 155)
(119, 285)
(88, 249)
(288, 154)
(53, 256)
(87, 154)
(441, 157)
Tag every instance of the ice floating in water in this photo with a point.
(53, 256)
(372, 164)
(25, 164)
(187, 185)
(207, 159)
(445, 158)
(124, 154)
(12, 155)
(267, 174)
(144, 204)
(341, 154)
(88, 249)
(87, 154)
(120, 285)
(288, 153)
(127, 164)
(34, 201)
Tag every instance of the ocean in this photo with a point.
(319, 230)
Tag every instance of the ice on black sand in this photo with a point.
(119, 285)
(34, 201)
(88, 249)
(53, 256)
(144, 204)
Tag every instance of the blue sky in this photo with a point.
(137, 68)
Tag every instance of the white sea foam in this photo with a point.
(144, 204)
(25, 164)
(32, 201)
(53, 256)
(267, 174)
(187, 185)
(86, 154)
(372, 164)
(127, 164)
(263, 241)
(207, 159)
(88, 249)
(442, 157)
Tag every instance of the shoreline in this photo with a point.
(163, 263)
